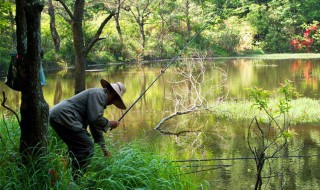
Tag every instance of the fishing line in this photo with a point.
(244, 158)
(164, 69)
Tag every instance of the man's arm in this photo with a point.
(97, 134)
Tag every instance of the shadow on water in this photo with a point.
(219, 138)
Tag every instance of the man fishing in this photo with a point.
(70, 119)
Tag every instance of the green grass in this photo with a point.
(286, 56)
(303, 110)
(132, 166)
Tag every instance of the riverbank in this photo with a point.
(48, 67)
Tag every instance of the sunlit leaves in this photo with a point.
(260, 97)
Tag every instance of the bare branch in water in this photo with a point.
(191, 92)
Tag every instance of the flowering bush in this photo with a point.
(304, 43)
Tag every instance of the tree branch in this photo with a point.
(65, 17)
(98, 33)
(173, 115)
(3, 104)
(67, 9)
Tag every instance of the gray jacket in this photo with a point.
(81, 110)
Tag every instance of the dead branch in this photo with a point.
(173, 115)
(3, 104)
(189, 94)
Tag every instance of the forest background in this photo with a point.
(159, 29)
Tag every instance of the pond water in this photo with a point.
(220, 144)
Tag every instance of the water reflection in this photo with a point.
(57, 93)
(306, 68)
(220, 138)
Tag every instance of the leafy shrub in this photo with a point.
(276, 41)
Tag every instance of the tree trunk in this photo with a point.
(78, 43)
(187, 18)
(143, 36)
(116, 18)
(21, 28)
(34, 109)
(81, 51)
(53, 30)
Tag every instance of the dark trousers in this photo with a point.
(80, 147)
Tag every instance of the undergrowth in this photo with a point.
(132, 166)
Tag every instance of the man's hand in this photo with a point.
(107, 154)
(113, 124)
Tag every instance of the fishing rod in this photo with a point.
(164, 70)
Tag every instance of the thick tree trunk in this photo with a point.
(53, 30)
(21, 28)
(34, 109)
(78, 43)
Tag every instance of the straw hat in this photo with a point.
(119, 89)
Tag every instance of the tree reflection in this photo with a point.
(304, 68)
(57, 93)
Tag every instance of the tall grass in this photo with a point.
(132, 166)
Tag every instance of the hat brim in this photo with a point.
(118, 102)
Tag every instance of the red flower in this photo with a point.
(313, 28)
(307, 33)
(307, 42)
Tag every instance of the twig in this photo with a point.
(3, 103)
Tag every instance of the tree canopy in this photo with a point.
(154, 29)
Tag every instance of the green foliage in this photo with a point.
(239, 27)
(6, 42)
(5, 7)
(276, 41)
(4, 60)
(261, 99)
